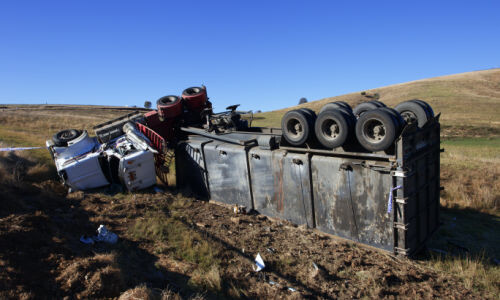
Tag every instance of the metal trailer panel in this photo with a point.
(417, 201)
(281, 185)
(228, 176)
(342, 193)
(350, 199)
(190, 166)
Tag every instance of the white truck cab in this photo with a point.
(82, 162)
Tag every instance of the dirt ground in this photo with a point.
(41, 255)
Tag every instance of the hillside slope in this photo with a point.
(471, 98)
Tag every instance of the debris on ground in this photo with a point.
(259, 262)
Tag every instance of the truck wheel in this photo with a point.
(332, 128)
(169, 106)
(412, 112)
(378, 103)
(363, 107)
(309, 111)
(337, 104)
(398, 118)
(376, 130)
(296, 127)
(62, 138)
(430, 111)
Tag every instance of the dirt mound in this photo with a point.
(145, 293)
(94, 277)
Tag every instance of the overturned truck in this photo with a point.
(368, 174)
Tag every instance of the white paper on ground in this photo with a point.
(259, 262)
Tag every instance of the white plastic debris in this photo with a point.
(291, 289)
(259, 262)
(86, 239)
(239, 209)
(105, 236)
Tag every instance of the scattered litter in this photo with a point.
(157, 190)
(291, 289)
(239, 209)
(271, 250)
(315, 266)
(243, 250)
(259, 263)
(105, 236)
(273, 283)
(86, 239)
(202, 225)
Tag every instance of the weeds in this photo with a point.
(475, 271)
(175, 237)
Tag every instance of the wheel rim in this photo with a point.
(192, 91)
(295, 129)
(374, 131)
(330, 129)
(66, 134)
(409, 117)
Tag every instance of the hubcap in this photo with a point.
(374, 131)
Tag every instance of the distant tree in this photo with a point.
(258, 111)
(147, 104)
(302, 100)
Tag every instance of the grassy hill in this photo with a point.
(466, 99)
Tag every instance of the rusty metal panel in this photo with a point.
(350, 200)
(281, 185)
(418, 157)
(190, 166)
(228, 176)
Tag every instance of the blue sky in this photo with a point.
(261, 54)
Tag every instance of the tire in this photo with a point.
(376, 130)
(429, 108)
(363, 107)
(348, 113)
(170, 100)
(332, 128)
(309, 111)
(296, 127)
(62, 138)
(193, 91)
(378, 103)
(169, 106)
(338, 104)
(413, 112)
(311, 118)
(398, 118)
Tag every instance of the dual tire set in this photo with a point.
(371, 124)
(193, 98)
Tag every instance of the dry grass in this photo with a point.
(470, 104)
(99, 276)
(475, 271)
(464, 99)
(145, 293)
(172, 235)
